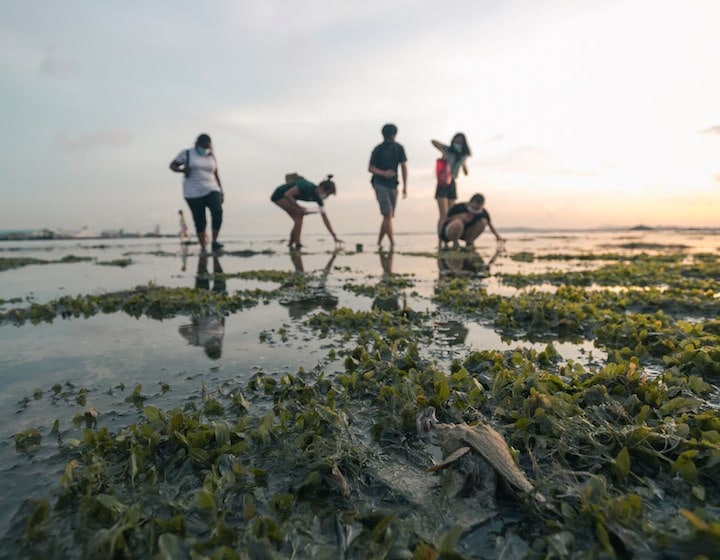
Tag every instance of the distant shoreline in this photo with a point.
(47, 234)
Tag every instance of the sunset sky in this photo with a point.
(579, 113)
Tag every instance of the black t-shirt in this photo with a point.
(387, 155)
(462, 208)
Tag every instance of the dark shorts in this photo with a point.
(446, 192)
(279, 193)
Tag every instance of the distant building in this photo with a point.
(21, 234)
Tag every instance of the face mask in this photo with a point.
(202, 151)
(474, 210)
(457, 147)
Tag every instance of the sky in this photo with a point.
(579, 113)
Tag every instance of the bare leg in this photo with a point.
(442, 209)
(296, 230)
(296, 213)
(454, 231)
(386, 229)
(473, 232)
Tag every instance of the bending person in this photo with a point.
(466, 221)
(299, 188)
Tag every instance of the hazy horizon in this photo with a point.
(600, 114)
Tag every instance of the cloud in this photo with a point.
(712, 130)
(103, 138)
(56, 68)
(532, 159)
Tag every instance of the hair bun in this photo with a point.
(329, 177)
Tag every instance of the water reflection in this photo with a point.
(387, 297)
(207, 330)
(463, 263)
(306, 296)
(467, 263)
(184, 252)
(452, 332)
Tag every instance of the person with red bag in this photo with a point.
(447, 169)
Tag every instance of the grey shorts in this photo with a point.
(386, 197)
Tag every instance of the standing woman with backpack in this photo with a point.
(447, 169)
(202, 188)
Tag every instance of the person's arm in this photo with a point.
(328, 226)
(440, 146)
(497, 235)
(464, 168)
(389, 173)
(291, 197)
(222, 193)
(179, 167)
(291, 194)
(403, 171)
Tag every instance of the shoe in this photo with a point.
(217, 246)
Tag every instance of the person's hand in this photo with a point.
(404, 192)
(390, 173)
(186, 170)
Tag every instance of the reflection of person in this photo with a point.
(207, 330)
(452, 332)
(386, 261)
(466, 221)
(386, 298)
(455, 155)
(384, 162)
(202, 188)
(313, 294)
(299, 188)
(470, 263)
(184, 252)
(183, 228)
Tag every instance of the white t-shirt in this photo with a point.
(201, 180)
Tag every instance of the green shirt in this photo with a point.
(307, 191)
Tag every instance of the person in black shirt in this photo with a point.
(384, 162)
(466, 221)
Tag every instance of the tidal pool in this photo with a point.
(103, 369)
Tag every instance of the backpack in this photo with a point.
(442, 172)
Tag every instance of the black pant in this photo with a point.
(197, 207)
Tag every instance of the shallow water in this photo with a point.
(108, 355)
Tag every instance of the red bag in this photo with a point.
(442, 172)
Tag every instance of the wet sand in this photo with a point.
(109, 354)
